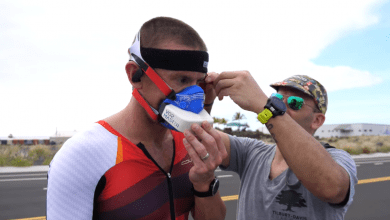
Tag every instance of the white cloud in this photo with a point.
(342, 77)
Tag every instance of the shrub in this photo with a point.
(348, 149)
(20, 162)
(4, 161)
(14, 155)
(353, 150)
(383, 149)
(36, 153)
(341, 144)
(366, 150)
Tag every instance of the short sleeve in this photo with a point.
(241, 148)
(74, 173)
(70, 191)
(345, 160)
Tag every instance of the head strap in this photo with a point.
(184, 60)
(187, 60)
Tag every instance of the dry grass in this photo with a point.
(23, 155)
(361, 144)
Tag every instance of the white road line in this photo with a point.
(44, 188)
(357, 165)
(224, 176)
(378, 163)
(43, 174)
(218, 170)
(8, 180)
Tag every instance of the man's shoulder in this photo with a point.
(250, 141)
(335, 151)
(91, 146)
(326, 145)
(93, 134)
(94, 138)
(251, 147)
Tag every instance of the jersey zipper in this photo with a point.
(168, 175)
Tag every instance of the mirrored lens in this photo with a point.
(277, 95)
(295, 102)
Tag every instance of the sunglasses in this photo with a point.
(294, 102)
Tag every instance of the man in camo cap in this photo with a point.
(298, 177)
(308, 86)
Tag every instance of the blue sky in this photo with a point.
(62, 62)
(366, 49)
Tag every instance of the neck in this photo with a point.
(134, 123)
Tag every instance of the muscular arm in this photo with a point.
(226, 141)
(201, 174)
(309, 160)
(209, 208)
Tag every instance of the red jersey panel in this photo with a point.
(135, 187)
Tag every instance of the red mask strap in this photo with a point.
(164, 88)
(144, 104)
(158, 81)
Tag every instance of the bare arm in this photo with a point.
(209, 208)
(307, 158)
(208, 141)
(226, 142)
(210, 92)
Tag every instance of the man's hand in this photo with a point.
(242, 88)
(208, 87)
(207, 141)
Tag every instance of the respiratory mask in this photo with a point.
(179, 110)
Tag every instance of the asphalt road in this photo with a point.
(23, 195)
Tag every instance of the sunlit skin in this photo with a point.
(305, 117)
(293, 134)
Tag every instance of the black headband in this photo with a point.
(189, 60)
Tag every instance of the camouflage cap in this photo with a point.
(309, 86)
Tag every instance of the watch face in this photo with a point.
(215, 186)
(278, 104)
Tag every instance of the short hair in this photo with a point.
(161, 29)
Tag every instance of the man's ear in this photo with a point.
(318, 120)
(132, 69)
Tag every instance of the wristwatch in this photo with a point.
(274, 107)
(213, 189)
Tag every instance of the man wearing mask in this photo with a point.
(133, 164)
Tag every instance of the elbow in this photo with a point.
(335, 194)
(336, 191)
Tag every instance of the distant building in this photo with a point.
(58, 138)
(25, 140)
(347, 130)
